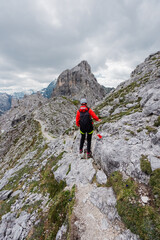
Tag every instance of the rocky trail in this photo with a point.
(95, 215)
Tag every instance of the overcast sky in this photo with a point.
(41, 38)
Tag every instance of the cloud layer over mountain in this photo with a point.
(41, 38)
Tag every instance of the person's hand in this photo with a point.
(100, 120)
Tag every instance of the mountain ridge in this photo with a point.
(47, 191)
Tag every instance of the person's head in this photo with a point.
(83, 101)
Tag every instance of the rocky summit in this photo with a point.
(49, 191)
(79, 82)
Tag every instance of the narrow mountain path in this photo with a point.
(91, 222)
(44, 132)
(43, 129)
(95, 214)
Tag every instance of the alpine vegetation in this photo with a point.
(49, 190)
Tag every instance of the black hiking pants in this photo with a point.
(89, 138)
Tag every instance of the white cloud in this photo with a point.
(41, 38)
(115, 73)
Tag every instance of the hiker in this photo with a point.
(84, 121)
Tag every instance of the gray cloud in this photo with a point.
(41, 38)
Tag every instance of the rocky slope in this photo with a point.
(79, 82)
(129, 118)
(48, 192)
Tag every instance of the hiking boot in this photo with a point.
(80, 151)
(89, 155)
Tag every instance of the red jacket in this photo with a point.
(84, 108)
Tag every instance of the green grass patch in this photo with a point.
(60, 207)
(141, 220)
(131, 132)
(49, 184)
(41, 151)
(14, 182)
(32, 207)
(157, 122)
(155, 184)
(68, 131)
(139, 130)
(5, 206)
(120, 94)
(69, 169)
(145, 165)
(151, 129)
(118, 116)
(74, 102)
(54, 160)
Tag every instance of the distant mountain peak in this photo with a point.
(79, 82)
(84, 65)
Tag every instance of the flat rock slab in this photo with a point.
(101, 177)
(75, 171)
(104, 199)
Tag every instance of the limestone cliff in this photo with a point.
(79, 82)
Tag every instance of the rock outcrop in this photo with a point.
(79, 82)
(20, 110)
(129, 120)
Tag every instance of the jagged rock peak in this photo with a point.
(79, 82)
(85, 66)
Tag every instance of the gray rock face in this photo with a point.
(5, 194)
(73, 170)
(130, 131)
(20, 108)
(61, 233)
(105, 200)
(79, 82)
(16, 228)
(127, 235)
(58, 115)
(101, 177)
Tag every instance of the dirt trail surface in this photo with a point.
(44, 132)
(91, 223)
